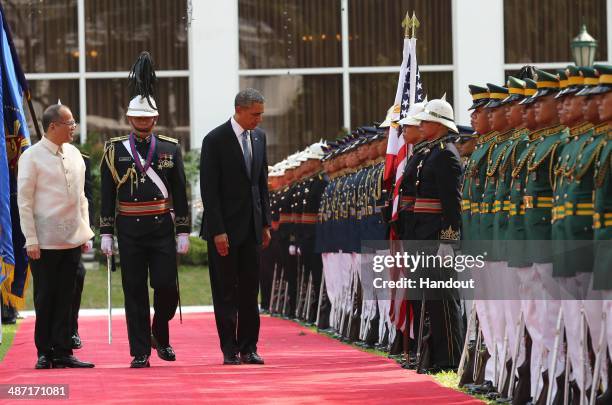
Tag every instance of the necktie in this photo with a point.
(245, 151)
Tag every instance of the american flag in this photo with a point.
(398, 153)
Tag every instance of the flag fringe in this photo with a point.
(8, 298)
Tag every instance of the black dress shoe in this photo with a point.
(165, 353)
(43, 363)
(231, 360)
(251, 358)
(70, 362)
(140, 361)
(76, 342)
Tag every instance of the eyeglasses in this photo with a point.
(67, 123)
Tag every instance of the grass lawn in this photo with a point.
(8, 333)
(194, 282)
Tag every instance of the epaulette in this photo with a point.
(580, 129)
(167, 138)
(519, 133)
(542, 133)
(601, 129)
(501, 138)
(486, 137)
(119, 138)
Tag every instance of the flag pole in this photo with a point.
(19, 72)
(28, 95)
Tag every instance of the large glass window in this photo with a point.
(118, 30)
(542, 31)
(372, 94)
(300, 110)
(376, 32)
(47, 92)
(289, 33)
(45, 34)
(107, 101)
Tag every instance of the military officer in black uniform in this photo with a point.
(145, 199)
(437, 217)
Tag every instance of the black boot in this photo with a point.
(522, 391)
(483, 358)
(558, 398)
(505, 389)
(467, 377)
(606, 397)
(544, 393)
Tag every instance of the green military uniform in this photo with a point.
(602, 195)
(516, 216)
(469, 204)
(538, 196)
(501, 172)
(572, 202)
(488, 208)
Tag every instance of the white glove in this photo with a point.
(106, 245)
(182, 245)
(88, 246)
(299, 251)
(292, 250)
(444, 250)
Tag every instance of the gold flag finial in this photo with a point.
(415, 24)
(406, 23)
(410, 24)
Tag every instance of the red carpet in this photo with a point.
(301, 367)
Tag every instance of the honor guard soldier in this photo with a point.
(602, 205)
(437, 217)
(145, 201)
(602, 216)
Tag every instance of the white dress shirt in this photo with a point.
(53, 208)
(238, 130)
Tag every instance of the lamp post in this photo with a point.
(583, 48)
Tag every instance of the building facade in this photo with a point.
(325, 66)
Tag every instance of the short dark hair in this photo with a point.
(51, 114)
(247, 97)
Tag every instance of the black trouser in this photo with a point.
(54, 275)
(234, 281)
(76, 298)
(153, 254)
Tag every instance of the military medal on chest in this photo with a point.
(165, 161)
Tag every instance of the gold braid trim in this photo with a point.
(131, 174)
(491, 170)
(603, 171)
(517, 170)
(552, 152)
(587, 166)
(533, 166)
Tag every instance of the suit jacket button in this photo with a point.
(137, 219)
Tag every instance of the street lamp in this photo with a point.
(583, 48)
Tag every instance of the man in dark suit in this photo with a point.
(236, 223)
(80, 275)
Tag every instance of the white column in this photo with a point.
(346, 83)
(213, 65)
(609, 29)
(478, 49)
(82, 68)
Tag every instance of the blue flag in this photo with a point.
(14, 132)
